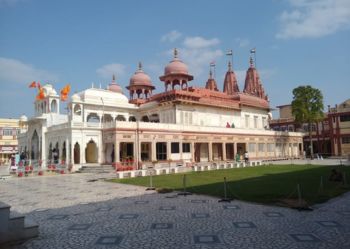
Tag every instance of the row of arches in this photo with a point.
(94, 118)
(176, 84)
(41, 107)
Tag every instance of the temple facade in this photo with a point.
(182, 123)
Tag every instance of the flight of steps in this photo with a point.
(14, 227)
(97, 169)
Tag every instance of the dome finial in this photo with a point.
(113, 77)
(210, 74)
(229, 66)
(140, 65)
(175, 53)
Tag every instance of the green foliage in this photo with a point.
(307, 104)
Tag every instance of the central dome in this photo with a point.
(176, 66)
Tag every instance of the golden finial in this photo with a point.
(113, 77)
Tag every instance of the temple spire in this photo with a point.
(230, 82)
(211, 83)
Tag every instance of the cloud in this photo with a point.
(15, 71)
(198, 42)
(10, 2)
(197, 52)
(171, 36)
(314, 18)
(242, 42)
(108, 70)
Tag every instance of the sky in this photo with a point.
(85, 42)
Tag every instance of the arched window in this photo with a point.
(93, 118)
(145, 119)
(154, 118)
(120, 118)
(54, 105)
(107, 118)
(132, 119)
(77, 110)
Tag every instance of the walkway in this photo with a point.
(75, 211)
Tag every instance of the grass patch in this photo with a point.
(262, 184)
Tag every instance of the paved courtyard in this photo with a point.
(79, 211)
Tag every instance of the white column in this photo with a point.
(67, 150)
(116, 152)
(224, 151)
(192, 151)
(153, 152)
(168, 150)
(210, 151)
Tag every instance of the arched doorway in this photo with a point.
(76, 153)
(91, 152)
(34, 155)
(64, 151)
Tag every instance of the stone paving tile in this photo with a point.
(74, 213)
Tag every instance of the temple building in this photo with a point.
(180, 124)
(330, 136)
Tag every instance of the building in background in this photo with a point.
(181, 124)
(9, 129)
(330, 137)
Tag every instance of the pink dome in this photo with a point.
(140, 79)
(176, 66)
(114, 87)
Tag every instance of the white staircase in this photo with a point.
(14, 227)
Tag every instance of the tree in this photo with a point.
(307, 107)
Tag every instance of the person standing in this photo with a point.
(246, 157)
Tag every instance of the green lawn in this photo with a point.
(263, 184)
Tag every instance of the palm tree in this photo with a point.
(307, 107)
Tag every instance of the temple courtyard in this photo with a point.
(84, 211)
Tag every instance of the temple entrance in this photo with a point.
(201, 152)
(217, 152)
(34, 155)
(229, 151)
(76, 153)
(91, 152)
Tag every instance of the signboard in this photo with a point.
(8, 149)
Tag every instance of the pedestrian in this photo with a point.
(246, 156)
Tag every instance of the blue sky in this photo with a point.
(298, 42)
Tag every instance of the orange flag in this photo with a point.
(41, 94)
(32, 85)
(64, 92)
